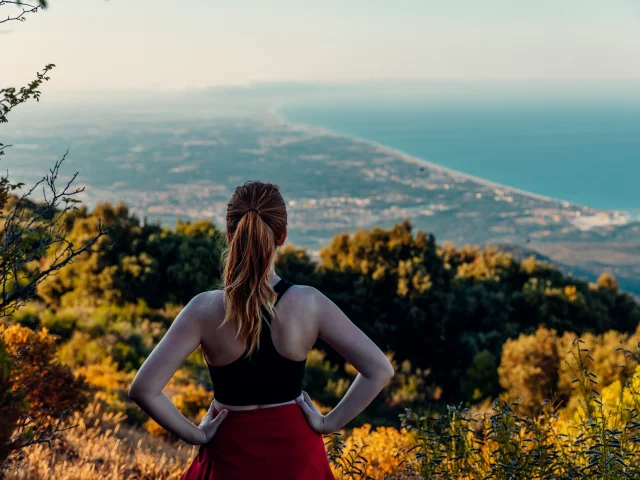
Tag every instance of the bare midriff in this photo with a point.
(220, 406)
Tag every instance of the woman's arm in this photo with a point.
(182, 338)
(374, 369)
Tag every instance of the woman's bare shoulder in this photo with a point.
(307, 297)
(207, 305)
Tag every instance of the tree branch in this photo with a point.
(31, 231)
(25, 11)
(11, 97)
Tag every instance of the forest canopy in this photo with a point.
(446, 309)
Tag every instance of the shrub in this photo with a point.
(28, 316)
(481, 380)
(599, 440)
(61, 324)
(37, 390)
(529, 368)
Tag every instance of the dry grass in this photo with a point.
(101, 446)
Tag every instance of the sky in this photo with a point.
(124, 45)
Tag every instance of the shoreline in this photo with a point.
(276, 113)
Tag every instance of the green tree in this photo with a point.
(143, 262)
(481, 379)
(440, 306)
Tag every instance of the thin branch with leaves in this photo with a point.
(26, 10)
(10, 97)
(30, 232)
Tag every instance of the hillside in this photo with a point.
(587, 261)
(461, 325)
(185, 168)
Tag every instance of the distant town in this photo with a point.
(165, 170)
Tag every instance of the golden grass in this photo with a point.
(101, 446)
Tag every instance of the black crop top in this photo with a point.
(263, 378)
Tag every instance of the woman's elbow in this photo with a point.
(385, 373)
(136, 393)
(133, 394)
(388, 372)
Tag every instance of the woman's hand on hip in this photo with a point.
(316, 420)
(209, 424)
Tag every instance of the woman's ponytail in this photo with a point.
(256, 221)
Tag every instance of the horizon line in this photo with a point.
(563, 82)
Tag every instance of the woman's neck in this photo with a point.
(272, 276)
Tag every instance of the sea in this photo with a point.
(581, 152)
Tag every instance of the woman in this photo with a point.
(260, 425)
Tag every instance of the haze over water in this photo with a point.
(587, 153)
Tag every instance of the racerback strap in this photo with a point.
(281, 287)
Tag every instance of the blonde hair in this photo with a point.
(256, 220)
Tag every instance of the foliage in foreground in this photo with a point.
(600, 439)
(36, 390)
(102, 446)
(597, 439)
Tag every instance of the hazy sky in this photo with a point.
(135, 44)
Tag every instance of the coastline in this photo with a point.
(275, 112)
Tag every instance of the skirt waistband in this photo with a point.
(264, 413)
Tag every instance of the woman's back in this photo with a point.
(272, 374)
(293, 332)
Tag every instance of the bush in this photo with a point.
(28, 316)
(37, 390)
(61, 324)
(481, 380)
(529, 368)
(599, 440)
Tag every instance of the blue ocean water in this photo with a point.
(583, 153)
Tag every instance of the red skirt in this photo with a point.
(267, 443)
